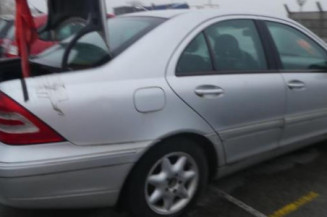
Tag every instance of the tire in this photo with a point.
(168, 180)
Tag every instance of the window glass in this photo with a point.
(195, 58)
(236, 46)
(69, 28)
(297, 51)
(3, 25)
(89, 50)
(11, 33)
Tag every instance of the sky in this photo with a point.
(275, 7)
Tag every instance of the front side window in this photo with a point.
(296, 50)
(196, 58)
(236, 46)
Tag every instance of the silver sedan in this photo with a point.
(181, 97)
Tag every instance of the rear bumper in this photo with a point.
(83, 177)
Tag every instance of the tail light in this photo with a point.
(20, 127)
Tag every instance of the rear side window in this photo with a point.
(228, 46)
(296, 50)
(195, 58)
(236, 46)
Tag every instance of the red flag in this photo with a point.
(25, 33)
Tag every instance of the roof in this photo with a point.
(218, 12)
(159, 13)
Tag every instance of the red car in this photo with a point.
(64, 30)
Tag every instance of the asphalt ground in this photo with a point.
(294, 185)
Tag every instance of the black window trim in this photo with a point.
(274, 50)
(269, 48)
(270, 60)
(211, 52)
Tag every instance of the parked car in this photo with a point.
(63, 31)
(6, 24)
(148, 122)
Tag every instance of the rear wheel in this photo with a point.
(167, 180)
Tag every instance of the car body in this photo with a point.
(221, 89)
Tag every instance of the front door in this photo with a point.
(304, 67)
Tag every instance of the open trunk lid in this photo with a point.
(92, 11)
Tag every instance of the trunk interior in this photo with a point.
(10, 69)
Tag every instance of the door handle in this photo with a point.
(208, 90)
(296, 85)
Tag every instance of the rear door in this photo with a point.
(303, 63)
(222, 72)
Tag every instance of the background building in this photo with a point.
(316, 21)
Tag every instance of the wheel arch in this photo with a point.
(203, 142)
(207, 146)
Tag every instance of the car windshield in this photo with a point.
(11, 33)
(3, 24)
(3, 27)
(90, 49)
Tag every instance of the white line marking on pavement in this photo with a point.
(239, 203)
